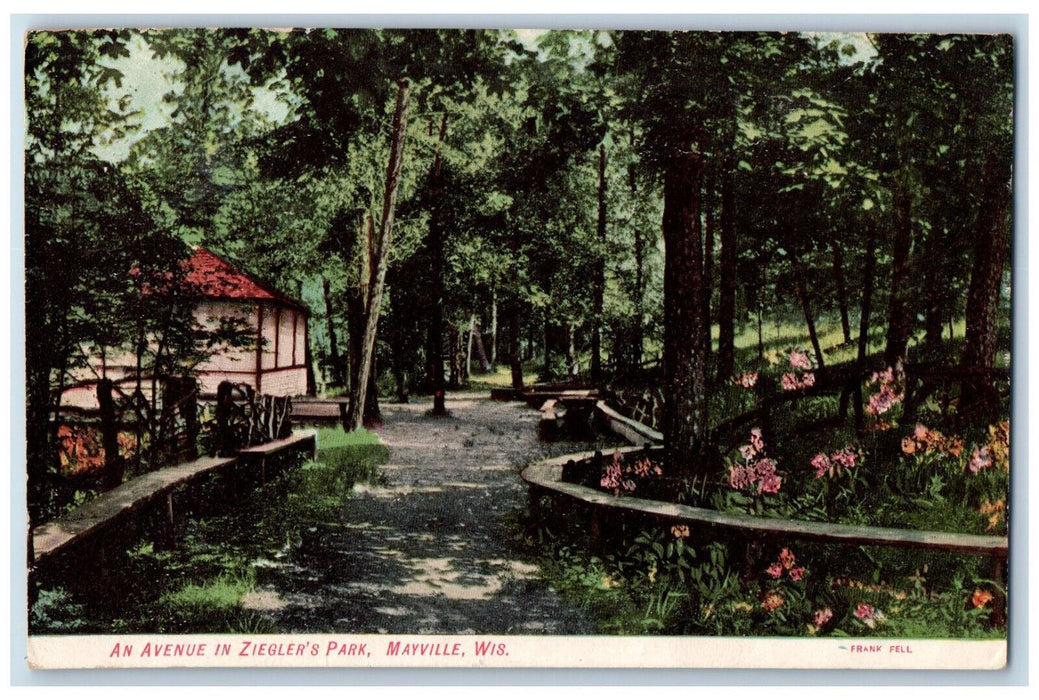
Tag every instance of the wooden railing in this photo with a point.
(245, 418)
(547, 477)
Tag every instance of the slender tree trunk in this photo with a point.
(546, 348)
(435, 248)
(638, 336)
(806, 307)
(338, 373)
(454, 371)
(727, 278)
(572, 369)
(991, 250)
(842, 292)
(898, 316)
(599, 276)
(481, 353)
(761, 307)
(515, 361)
(393, 168)
(494, 327)
(686, 334)
(710, 225)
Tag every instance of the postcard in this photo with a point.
(517, 348)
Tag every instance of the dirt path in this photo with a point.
(432, 551)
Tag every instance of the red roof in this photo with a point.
(215, 278)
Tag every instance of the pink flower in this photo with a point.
(740, 477)
(823, 616)
(846, 457)
(789, 382)
(868, 614)
(980, 460)
(756, 440)
(799, 360)
(770, 484)
(776, 570)
(797, 573)
(808, 379)
(822, 465)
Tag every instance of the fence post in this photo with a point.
(225, 442)
(113, 470)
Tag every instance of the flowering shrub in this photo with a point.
(792, 381)
(80, 448)
(746, 380)
(757, 469)
(869, 615)
(925, 440)
(845, 458)
(980, 598)
(771, 600)
(891, 390)
(996, 512)
(799, 360)
(785, 564)
(618, 476)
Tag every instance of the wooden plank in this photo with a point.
(133, 495)
(297, 438)
(631, 430)
(123, 500)
(548, 474)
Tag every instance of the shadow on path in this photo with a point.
(433, 549)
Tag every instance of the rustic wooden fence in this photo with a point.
(546, 479)
(166, 431)
(246, 419)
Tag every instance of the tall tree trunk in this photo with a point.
(481, 353)
(638, 336)
(435, 248)
(761, 307)
(469, 344)
(572, 368)
(393, 168)
(546, 348)
(806, 307)
(710, 225)
(898, 316)
(494, 327)
(686, 334)
(515, 361)
(456, 361)
(335, 359)
(599, 275)
(842, 291)
(727, 277)
(991, 250)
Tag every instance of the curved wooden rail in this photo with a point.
(548, 475)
